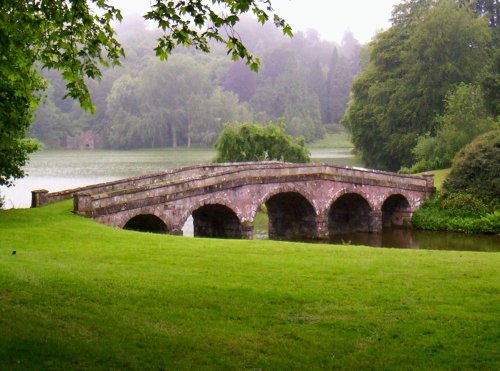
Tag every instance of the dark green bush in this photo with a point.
(463, 205)
(476, 170)
(458, 213)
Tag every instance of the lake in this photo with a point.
(57, 170)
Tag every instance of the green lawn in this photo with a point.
(339, 139)
(79, 295)
(439, 177)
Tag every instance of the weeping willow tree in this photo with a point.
(256, 142)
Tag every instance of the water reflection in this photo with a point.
(404, 238)
(415, 239)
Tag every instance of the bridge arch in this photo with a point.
(349, 190)
(214, 217)
(217, 221)
(396, 211)
(291, 214)
(350, 211)
(284, 188)
(144, 222)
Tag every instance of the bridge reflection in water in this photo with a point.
(303, 201)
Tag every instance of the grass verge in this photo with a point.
(79, 295)
(340, 139)
(439, 177)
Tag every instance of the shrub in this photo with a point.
(463, 205)
(476, 170)
(458, 213)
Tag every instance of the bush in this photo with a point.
(457, 213)
(255, 142)
(463, 205)
(476, 170)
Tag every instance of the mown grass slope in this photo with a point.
(79, 295)
(439, 177)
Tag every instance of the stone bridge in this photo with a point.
(303, 201)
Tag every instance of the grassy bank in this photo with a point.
(439, 177)
(455, 212)
(340, 139)
(78, 295)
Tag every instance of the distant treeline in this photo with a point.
(186, 101)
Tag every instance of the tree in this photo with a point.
(255, 142)
(464, 118)
(124, 122)
(489, 8)
(169, 104)
(289, 97)
(76, 38)
(490, 81)
(51, 125)
(431, 47)
(339, 84)
(241, 81)
(298, 105)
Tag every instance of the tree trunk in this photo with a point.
(174, 137)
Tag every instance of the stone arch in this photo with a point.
(146, 223)
(291, 214)
(350, 212)
(217, 221)
(396, 211)
(203, 202)
(283, 188)
(350, 190)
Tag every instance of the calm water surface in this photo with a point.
(59, 170)
(409, 239)
(415, 239)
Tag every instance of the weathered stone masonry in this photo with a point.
(303, 200)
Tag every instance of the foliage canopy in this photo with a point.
(431, 47)
(464, 118)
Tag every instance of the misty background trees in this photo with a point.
(186, 101)
(416, 94)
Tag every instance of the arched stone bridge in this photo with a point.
(302, 200)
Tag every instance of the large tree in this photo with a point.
(76, 37)
(431, 47)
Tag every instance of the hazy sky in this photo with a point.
(333, 17)
(330, 17)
